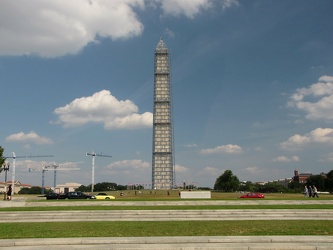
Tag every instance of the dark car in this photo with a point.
(53, 196)
(252, 195)
(75, 195)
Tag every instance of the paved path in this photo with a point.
(19, 202)
(166, 215)
(175, 243)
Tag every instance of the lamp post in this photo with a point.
(6, 169)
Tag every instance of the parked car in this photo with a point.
(253, 195)
(103, 196)
(75, 195)
(54, 196)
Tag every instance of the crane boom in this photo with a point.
(55, 167)
(93, 154)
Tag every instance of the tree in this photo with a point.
(296, 187)
(83, 188)
(272, 187)
(248, 186)
(328, 183)
(34, 190)
(105, 186)
(101, 186)
(227, 182)
(316, 180)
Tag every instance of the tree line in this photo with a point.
(102, 186)
(228, 182)
(98, 187)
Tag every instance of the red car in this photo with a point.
(252, 195)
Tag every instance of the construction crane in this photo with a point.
(14, 156)
(93, 154)
(55, 167)
(59, 167)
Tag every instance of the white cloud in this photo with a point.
(326, 78)
(133, 170)
(61, 27)
(191, 8)
(56, 28)
(286, 159)
(130, 164)
(318, 135)
(252, 170)
(31, 137)
(295, 141)
(229, 3)
(212, 171)
(103, 108)
(190, 145)
(227, 149)
(316, 100)
(322, 135)
(180, 169)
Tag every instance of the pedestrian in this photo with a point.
(9, 193)
(310, 191)
(315, 191)
(306, 194)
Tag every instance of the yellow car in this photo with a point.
(103, 196)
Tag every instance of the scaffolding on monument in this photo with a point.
(163, 170)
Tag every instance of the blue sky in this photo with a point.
(252, 87)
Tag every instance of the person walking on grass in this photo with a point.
(310, 191)
(315, 191)
(306, 193)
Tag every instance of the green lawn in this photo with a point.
(158, 228)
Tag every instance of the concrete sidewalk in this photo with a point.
(166, 215)
(174, 243)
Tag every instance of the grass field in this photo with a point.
(158, 228)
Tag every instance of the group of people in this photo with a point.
(310, 191)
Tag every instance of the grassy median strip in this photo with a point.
(158, 228)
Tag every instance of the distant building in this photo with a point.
(67, 187)
(302, 177)
(17, 187)
(61, 188)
